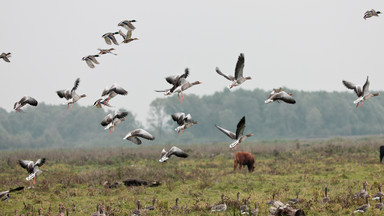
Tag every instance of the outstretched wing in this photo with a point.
(25, 163)
(107, 119)
(76, 84)
(228, 77)
(354, 87)
(226, 132)
(177, 152)
(366, 87)
(40, 162)
(240, 127)
(239, 66)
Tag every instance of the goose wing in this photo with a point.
(239, 66)
(240, 127)
(228, 77)
(107, 40)
(75, 85)
(6, 59)
(177, 152)
(134, 140)
(121, 115)
(26, 163)
(354, 87)
(93, 59)
(226, 132)
(28, 100)
(40, 162)
(171, 79)
(118, 90)
(107, 120)
(284, 96)
(366, 87)
(163, 152)
(16, 189)
(113, 39)
(89, 63)
(178, 117)
(143, 134)
(64, 94)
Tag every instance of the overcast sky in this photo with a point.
(301, 44)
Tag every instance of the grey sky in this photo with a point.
(306, 45)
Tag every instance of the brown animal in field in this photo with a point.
(244, 159)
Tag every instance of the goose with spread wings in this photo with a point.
(70, 94)
(165, 155)
(5, 56)
(238, 79)
(362, 93)
(134, 136)
(371, 13)
(24, 101)
(184, 121)
(280, 95)
(32, 168)
(109, 93)
(239, 136)
(112, 120)
(91, 60)
(179, 84)
(4, 195)
(127, 24)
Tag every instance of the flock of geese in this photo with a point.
(179, 84)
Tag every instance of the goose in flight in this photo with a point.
(105, 51)
(32, 168)
(134, 135)
(371, 13)
(127, 24)
(179, 84)
(112, 120)
(127, 37)
(4, 196)
(280, 95)
(184, 121)
(109, 93)
(173, 151)
(5, 57)
(70, 94)
(24, 101)
(363, 94)
(238, 137)
(238, 79)
(91, 60)
(110, 37)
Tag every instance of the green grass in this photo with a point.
(75, 177)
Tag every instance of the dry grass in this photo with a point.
(75, 176)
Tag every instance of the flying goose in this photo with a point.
(378, 194)
(371, 13)
(109, 93)
(4, 196)
(127, 24)
(71, 95)
(179, 84)
(91, 60)
(184, 121)
(173, 151)
(326, 198)
(379, 205)
(105, 51)
(364, 207)
(220, 207)
(24, 101)
(127, 37)
(133, 136)
(112, 120)
(5, 57)
(280, 95)
(362, 93)
(32, 168)
(110, 37)
(362, 193)
(238, 79)
(238, 137)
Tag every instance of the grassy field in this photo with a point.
(75, 177)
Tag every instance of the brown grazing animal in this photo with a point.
(244, 159)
